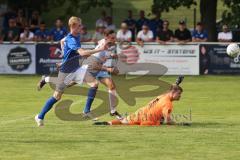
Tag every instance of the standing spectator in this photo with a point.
(99, 34)
(21, 20)
(142, 20)
(59, 31)
(165, 35)
(182, 34)
(110, 25)
(102, 20)
(9, 14)
(225, 35)
(145, 35)
(11, 33)
(156, 24)
(26, 35)
(34, 21)
(42, 34)
(85, 36)
(199, 35)
(124, 34)
(131, 23)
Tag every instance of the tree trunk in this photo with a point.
(208, 11)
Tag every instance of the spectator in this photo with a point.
(145, 35)
(225, 35)
(131, 23)
(182, 34)
(124, 34)
(99, 34)
(102, 20)
(85, 36)
(34, 21)
(12, 32)
(156, 24)
(9, 14)
(42, 34)
(21, 20)
(165, 35)
(26, 35)
(199, 35)
(59, 31)
(142, 20)
(110, 25)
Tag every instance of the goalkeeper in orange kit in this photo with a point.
(154, 113)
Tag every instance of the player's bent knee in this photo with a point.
(57, 95)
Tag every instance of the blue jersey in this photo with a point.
(200, 35)
(58, 34)
(70, 62)
(42, 33)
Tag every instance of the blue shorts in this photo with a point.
(101, 74)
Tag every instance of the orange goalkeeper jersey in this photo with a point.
(153, 113)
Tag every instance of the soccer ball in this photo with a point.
(233, 50)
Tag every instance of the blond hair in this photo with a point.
(73, 20)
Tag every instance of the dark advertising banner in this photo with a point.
(47, 55)
(214, 60)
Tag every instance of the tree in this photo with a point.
(73, 7)
(232, 16)
(208, 11)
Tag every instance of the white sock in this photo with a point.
(112, 100)
(47, 79)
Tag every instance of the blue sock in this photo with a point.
(50, 102)
(91, 95)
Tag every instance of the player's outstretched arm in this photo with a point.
(84, 52)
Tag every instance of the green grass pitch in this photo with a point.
(214, 133)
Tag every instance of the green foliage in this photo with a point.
(76, 6)
(232, 16)
(165, 5)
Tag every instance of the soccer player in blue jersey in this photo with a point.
(72, 53)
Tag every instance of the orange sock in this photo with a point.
(115, 122)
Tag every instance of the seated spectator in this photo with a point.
(21, 20)
(34, 21)
(141, 21)
(131, 23)
(99, 34)
(42, 34)
(102, 20)
(12, 32)
(199, 35)
(110, 25)
(59, 31)
(26, 35)
(85, 36)
(182, 34)
(145, 35)
(225, 35)
(124, 34)
(165, 35)
(156, 24)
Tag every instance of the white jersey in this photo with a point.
(104, 56)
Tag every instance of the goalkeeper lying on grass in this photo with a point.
(154, 113)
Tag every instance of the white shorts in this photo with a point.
(77, 76)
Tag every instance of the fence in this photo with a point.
(187, 59)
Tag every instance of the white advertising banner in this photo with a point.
(178, 59)
(17, 59)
